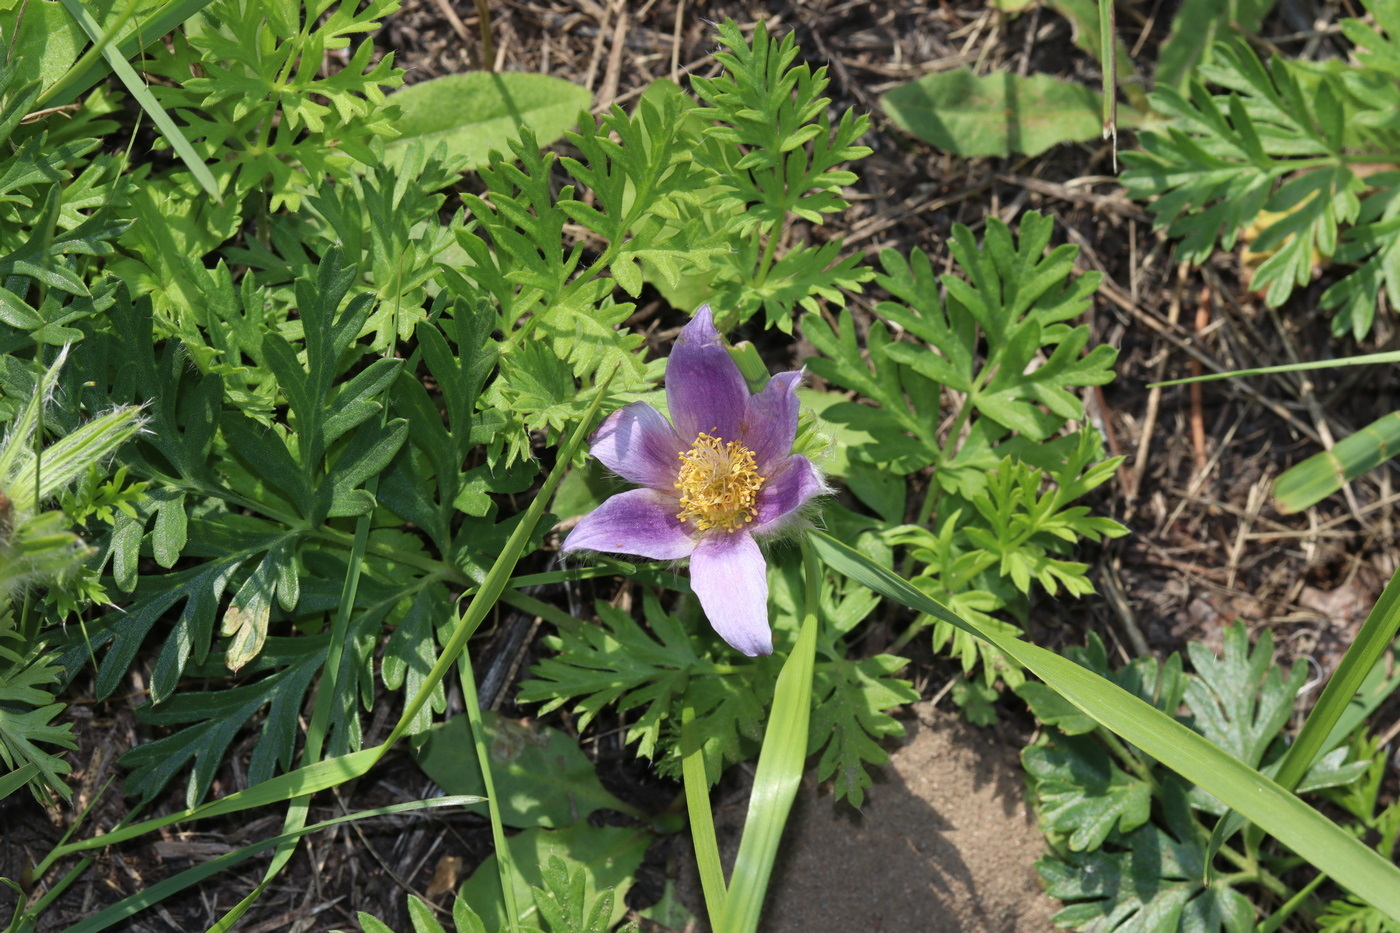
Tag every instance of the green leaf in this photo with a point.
(411, 651)
(216, 717)
(421, 916)
(1082, 794)
(1349, 915)
(994, 115)
(245, 620)
(1270, 161)
(478, 112)
(564, 903)
(28, 680)
(1148, 881)
(616, 661)
(542, 777)
(605, 856)
(1195, 27)
(44, 41)
(848, 724)
(771, 155)
(1242, 699)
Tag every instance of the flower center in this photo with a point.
(718, 483)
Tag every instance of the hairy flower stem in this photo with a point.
(934, 491)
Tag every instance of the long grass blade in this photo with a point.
(702, 821)
(137, 89)
(779, 769)
(16, 779)
(323, 775)
(29, 918)
(1297, 825)
(129, 906)
(505, 866)
(1365, 359)
(87, 72)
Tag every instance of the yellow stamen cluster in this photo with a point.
(719, 484)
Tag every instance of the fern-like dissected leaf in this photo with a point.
(214, 718)
(385, 221)
(767, 113)
(999, 344)
(28, 677)
(618, 662)
(253, 71)
(59, 209)
(1275, 156)
(1352, 915)
(773, 154)
(849, 700)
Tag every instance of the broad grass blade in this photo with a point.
(702, 820)
(17, 779)
(1324, 473)
(779, 768)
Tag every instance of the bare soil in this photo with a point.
(944, 842)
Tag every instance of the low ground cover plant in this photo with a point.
(294, 403)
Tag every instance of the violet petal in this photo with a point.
(705, 391)
(640, 521)
(638, 444)
(729, 574)
(770, 424)
(785, 492)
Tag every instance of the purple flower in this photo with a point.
(722, 475)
